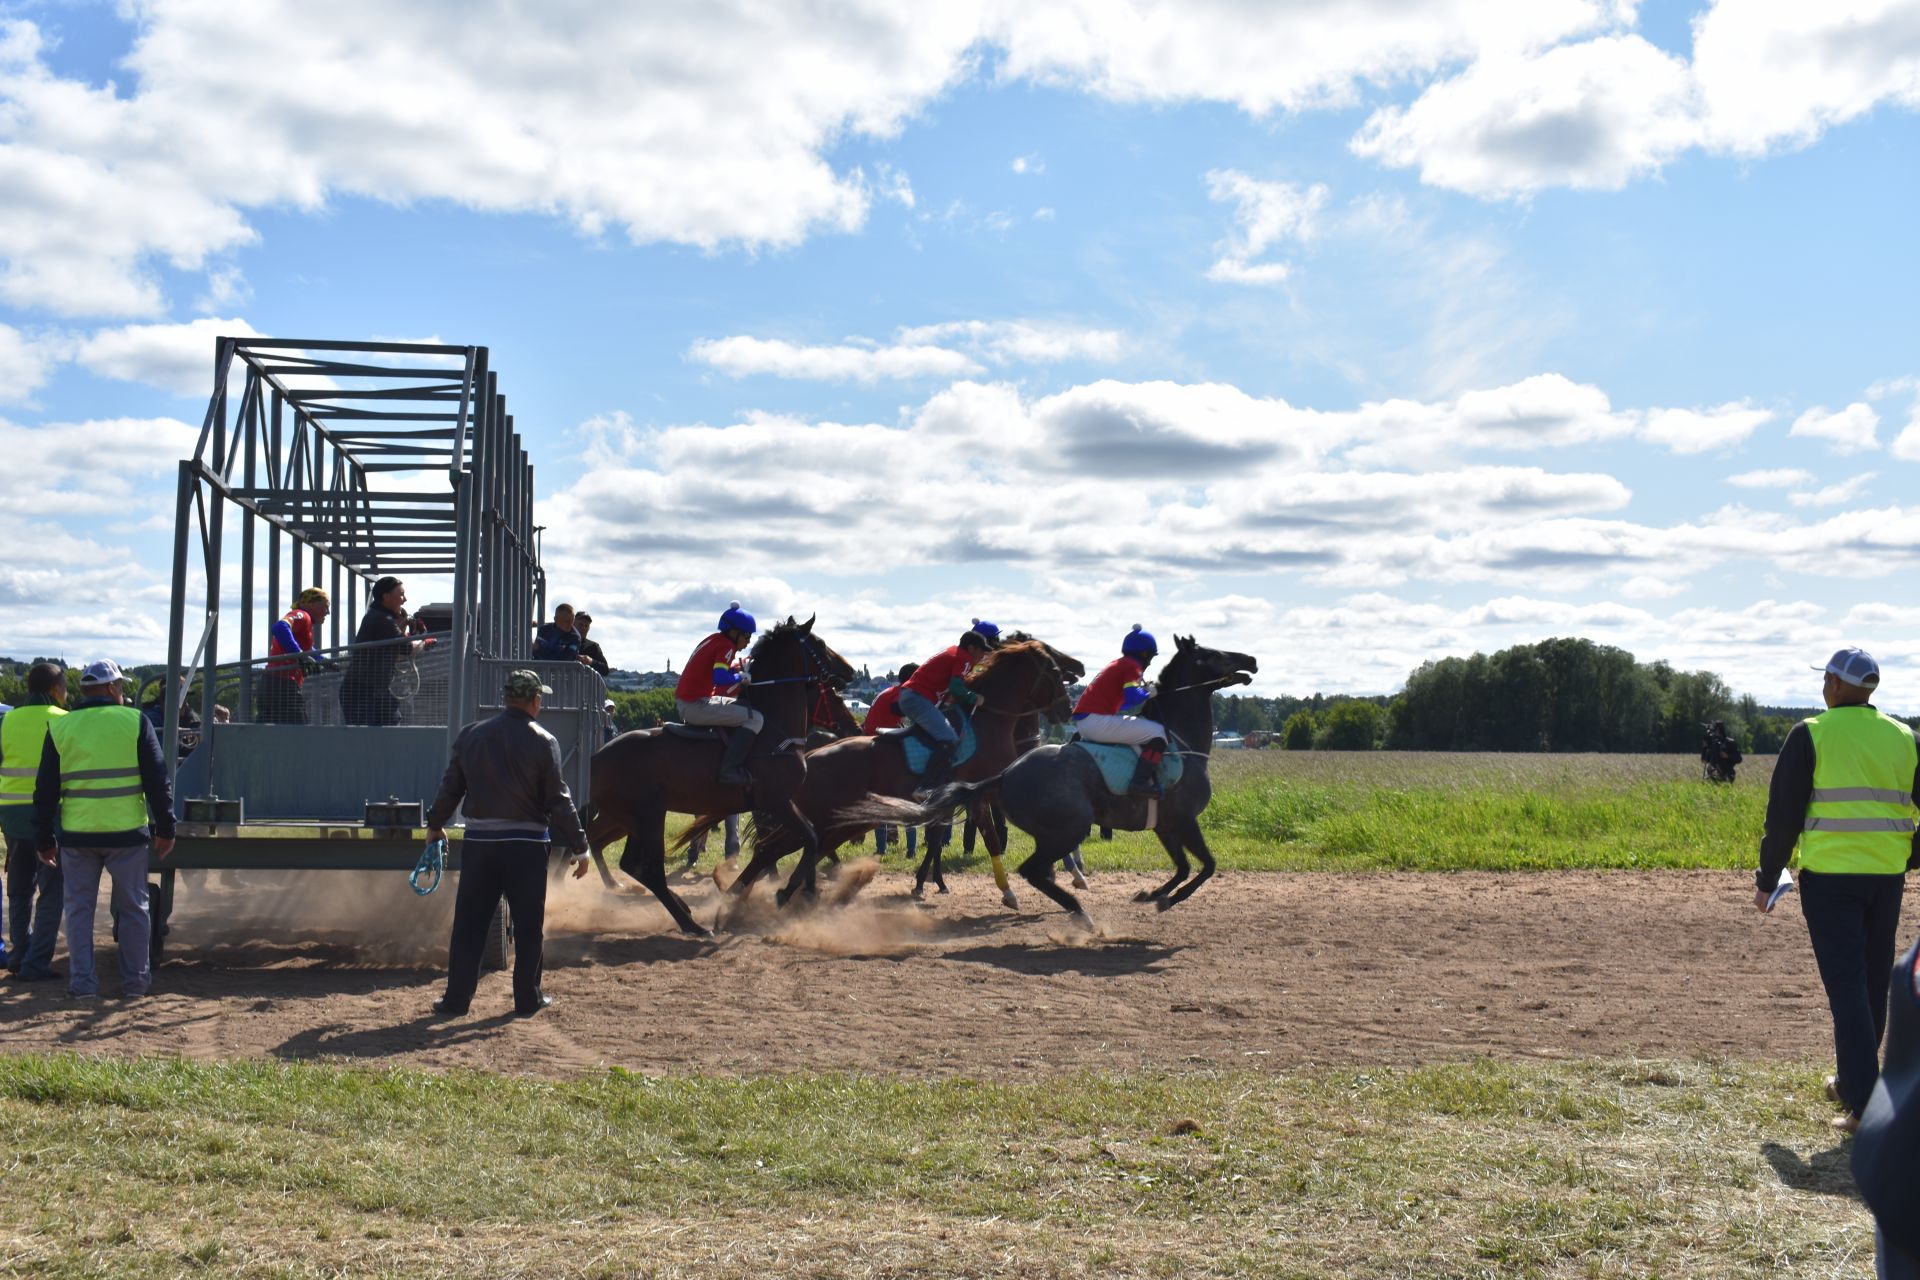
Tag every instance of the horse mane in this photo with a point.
(987, 665)
(778, 631)
(1061, 659)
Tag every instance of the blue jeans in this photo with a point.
(1851, 921)
(127, 867)
(32, 932)
(927, 716)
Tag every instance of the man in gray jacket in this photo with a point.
(507, 770)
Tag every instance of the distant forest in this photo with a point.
(1557, 695)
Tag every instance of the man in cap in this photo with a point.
(104, 782)
(1845, 792)
(23, 736)
(507, 770)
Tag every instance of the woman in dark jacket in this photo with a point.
(366, 695)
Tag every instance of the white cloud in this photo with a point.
(25, 364)
(88, 468)
(1834, 495)
(1009, 341)
(742, 356)
(1777, 478)
(1851, 430)
(1687, 431)
(1906, 445)
(1648, 587)
(1266, 214)
(1029, 165)
(174, 357)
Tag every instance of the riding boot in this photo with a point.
(1146, 773)
(733, 763)
(939, 767)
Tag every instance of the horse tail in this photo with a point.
(874, 810)
(700, 827)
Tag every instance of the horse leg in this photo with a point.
(1037, 871)
(646, 861)
(602, 830)
(1198, 843)
(980, 818)
(1170, 840)
(809, 855)
(930, 861)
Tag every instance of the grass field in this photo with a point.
(162, 1168)
(1439, 811)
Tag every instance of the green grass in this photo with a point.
(1439, 811)
(1585, 1169)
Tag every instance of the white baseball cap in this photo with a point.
(1855, 666)
(101, 672)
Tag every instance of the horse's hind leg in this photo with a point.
(1170, 840)
(602, 830)
(1037, 870)
(646, 861)
(1198, 843)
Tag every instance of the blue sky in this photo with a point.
(1350, 335)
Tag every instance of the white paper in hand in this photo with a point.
(1780, 890)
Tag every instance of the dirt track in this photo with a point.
(1257, 971)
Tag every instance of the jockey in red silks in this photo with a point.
(885, 711)
(709, 689)
(1101, 715)
(940, 681)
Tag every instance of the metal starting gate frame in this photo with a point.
(356, 460)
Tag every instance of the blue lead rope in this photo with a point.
(433, 862)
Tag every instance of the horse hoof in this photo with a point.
(1145, 895)
(694, 930)
(941, 887)
(1079, 881)
(1084, 920)
(1008, 898)
(782, 897)
(919, 891)
(1165, 904)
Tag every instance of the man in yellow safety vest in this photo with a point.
(1845, 793)
(103, 780)
(23, 734)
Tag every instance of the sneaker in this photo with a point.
(541, 1002)
(83, 995)
(134, 993)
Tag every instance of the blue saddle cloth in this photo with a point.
(918, 751)
(1117, 764)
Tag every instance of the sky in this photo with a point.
(1348, 334)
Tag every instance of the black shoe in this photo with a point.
(1146, 778)
(733, 761)
(540, 1002)
(441, 1009)
(939, 768)
(24, 974)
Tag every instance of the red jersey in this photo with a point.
(885, 711)
(300, 622)
(930, 681)
(1107, 695)
(709, 671)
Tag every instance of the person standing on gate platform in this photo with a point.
(379, 647)
(1845, 792)
(104, 783)
(1103, 713)
(34, 889)
(506, 769)
(559, 640)
(280, 692)
(711, 688)
(590, 652)
(939, 682)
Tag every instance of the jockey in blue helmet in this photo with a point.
(1103, 713)
(710, 688)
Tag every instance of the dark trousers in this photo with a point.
(490, 870)
(1851, 921)
(278, 700)
(32, 928)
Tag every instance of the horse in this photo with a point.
(1010, 682)
(644, 774)
(1027, 734)
(1056, 793)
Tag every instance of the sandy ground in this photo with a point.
(1259, 971)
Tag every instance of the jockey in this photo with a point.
(941, 680)
(1101, 715)
(988, 631)
(885, 711)
(709, 689)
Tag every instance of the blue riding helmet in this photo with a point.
(1138, 643)
(737, 619)
(990, 632)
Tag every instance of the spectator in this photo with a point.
(103, 780)
(557, 641)
(506, 769)
(279, 692)
(590, 649)
(379, 646)
(885, 711)
(1883, 1162)
(612, 728)
(33, 888)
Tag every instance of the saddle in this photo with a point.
(697, 732)
(1118, 761)
(917, 747)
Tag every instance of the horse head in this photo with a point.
(1195, 664)
(1021, 677)
(1070, 667)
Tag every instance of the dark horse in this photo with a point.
(1056, 794)
(1027, 732)
(1010, 682)
(643, 775)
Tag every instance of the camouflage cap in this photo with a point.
(525, 684)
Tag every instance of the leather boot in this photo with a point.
(1146, 773)
(939, 768)
(733, 763)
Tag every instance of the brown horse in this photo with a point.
(1009, 683)
(643, 775)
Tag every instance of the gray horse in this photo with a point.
(1056, 794)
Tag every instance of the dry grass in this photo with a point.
(1483, 1169)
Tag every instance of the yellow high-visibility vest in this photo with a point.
(100, 786)
(23, 735)
(1860, 820)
